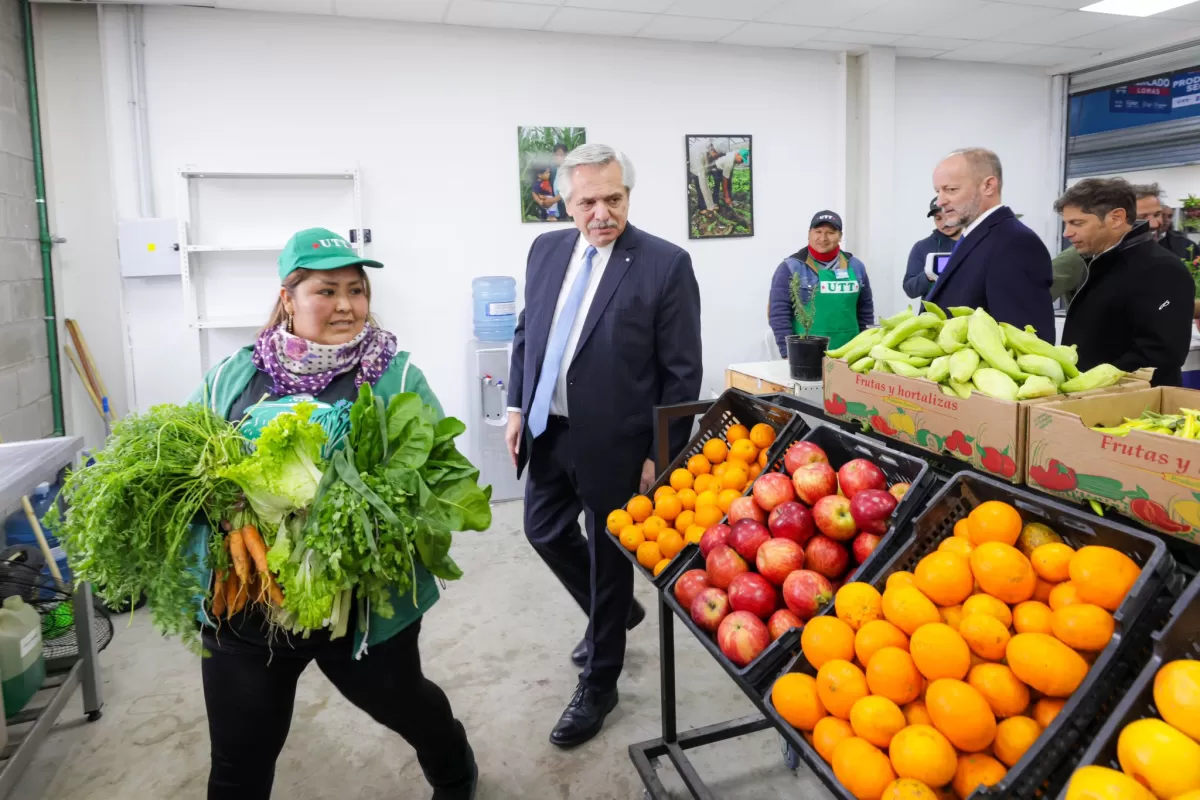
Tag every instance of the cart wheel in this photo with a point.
(93, 715)
(790, 757)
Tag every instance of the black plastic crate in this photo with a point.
(1041, 770)
(731, 408)
(1179, 639)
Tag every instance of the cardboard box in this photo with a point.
(1150, 477)
(987, 433)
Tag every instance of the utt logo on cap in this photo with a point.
(332, 243)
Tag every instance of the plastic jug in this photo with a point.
(22, 667)
(495, 302)
(18, 532)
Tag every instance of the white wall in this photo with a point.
(1175, 182)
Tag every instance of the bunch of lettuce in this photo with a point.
(390, 498)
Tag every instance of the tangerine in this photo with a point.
(687, 498)
(994, 521)
(952, 615)
(874, 636)
(652, 527)
(907, 789)
(1003, 572)
(961, 713)
(1083, 626)
(736, 433)
(1041, 592)
(632, 537)
(828, 734)
(1103, 576)
(685, 520)
(1002, 690)
(707, 497)
(719, 470)
(744, 451)
(940, 652)
(957, 544)
(735, 478)
(762, 435)
(1046, 709)
(703, 483)
(916, 713)
(876, 719)
(715, 451)
(668, 507)
(975, 770)
(921, 752)
(725, 499)
(707, 516)
(1063, 595)
(762, 458)
(694, 534)
(660, 566)
(986, 604)
(1046, 664)
(898, 579)
(858, 603)
(944, 577)
(827, 638)
(754, 471)
(699, 465)
(1051, 561)
(670, 542)
(1014, 736)
(640, 508)
(1159, 757)
(893, 674)
(908, 609)
(618, 521)
(840, 685)
(648, 554)
(1177, 695)
(985, 635)
(681, 479)
(962, 529)
(663, 491)
(1101, 783)
(862, 768)
(794, 696)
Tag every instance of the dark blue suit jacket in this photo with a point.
(639, 348)
(1004, 268)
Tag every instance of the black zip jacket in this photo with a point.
(1134, 310)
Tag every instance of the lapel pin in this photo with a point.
(627, 260)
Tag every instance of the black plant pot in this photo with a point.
(804, 356)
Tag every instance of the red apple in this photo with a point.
(747, 536)
(898, 490)
(723, 565)
(715, 536)
(802, 453)
(805, 592)
(791, 521)
(781, 622)
(772, 490)
(751, 592)
(745, 508)
(709, 608)
(860, 474)
(742, 636)
(777, 558)
(833, 518)
(814, 481)
(826, 556)
(690, 584)
(863, 545)
(872, 510)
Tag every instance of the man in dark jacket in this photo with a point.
(1175, 241)
(1134, 309)
(998, 265)
(918, 281)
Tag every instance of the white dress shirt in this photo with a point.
(978, 220)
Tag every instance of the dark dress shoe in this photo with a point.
(580, 654)
(583, 717)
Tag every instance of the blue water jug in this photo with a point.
(17, 530)
(495, 300)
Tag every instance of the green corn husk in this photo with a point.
(1036, 386)
(987, 338)
(1097, 377)
(953, 335)
(939, 369)
(923, 348)
(995, 383)
(963, 365)
(1042, 365)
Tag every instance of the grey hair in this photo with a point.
(598, 154)
(983, 162)
(1144, 190)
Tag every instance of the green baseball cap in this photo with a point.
(319, 248)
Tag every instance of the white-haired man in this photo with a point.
(610, 330)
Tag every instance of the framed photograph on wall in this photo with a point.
(720, 186)
(540, 151)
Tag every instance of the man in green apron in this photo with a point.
(831, 282)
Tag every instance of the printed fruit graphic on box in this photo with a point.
(947, 675)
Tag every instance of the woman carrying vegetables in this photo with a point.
(320, 345)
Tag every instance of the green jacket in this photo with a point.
(224, 384)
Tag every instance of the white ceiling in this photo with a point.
(1033, 32)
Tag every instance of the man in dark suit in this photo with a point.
(610, 330)
(998, 264)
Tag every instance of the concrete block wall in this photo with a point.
(25, 406)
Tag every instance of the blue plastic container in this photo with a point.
(17, 530)
(494, 298)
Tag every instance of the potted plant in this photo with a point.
(804, 350)
(1191, 214)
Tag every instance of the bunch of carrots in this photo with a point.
(249, 579)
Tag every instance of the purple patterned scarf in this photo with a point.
(298, 366)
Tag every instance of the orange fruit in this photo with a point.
(907, 789)
(975, 770)
(681, 479)
(687, 498)
(940, 652)
(1046, 664)
(703, 483)
(694, 534)
(952, 616)
(1014, 736)
(663, 491)
(1177, 695)
(1159, 757)
(726, 498)
(640, 508)
(715, 451)
(876, 635)
(944, 577)
(660, 566)
(754, 471)
(668, 507)
(1003, 572)
(898, 579)
(618, 521)
(827, 638)
(762, 458)
(699, 465)
(648, 554)
(736, 433)
(956, 544)
(858, 603)
(1102, 783)
(840, 685)
(862, 768)
(985, 635)
(893, 674)
(1002, 690)
(994, 521)
(908, 609)
(1103, 576)
(685, 520)
(735, 478)
(1083, 626)
(744, 450)
(1046, 709)
(962, 529)
(708, 497)
(670, 542)
(961, 713)
(1062, 595)
(718, 471)
(916, 713)
(986, 604)
(762, 435)
(794, 696)
(921, 752)
(876, 719)
(1042, 590)
(1032, 617)
(632, 537)
(707, 516)
(1051, 561)
(828, 734)
(652, 526)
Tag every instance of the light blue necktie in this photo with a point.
(539, 410)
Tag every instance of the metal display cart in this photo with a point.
(24, 465)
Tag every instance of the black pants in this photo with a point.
(592, 570)
(250, 701)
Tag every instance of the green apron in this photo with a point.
(836, 305)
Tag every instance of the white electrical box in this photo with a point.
(148, 247)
